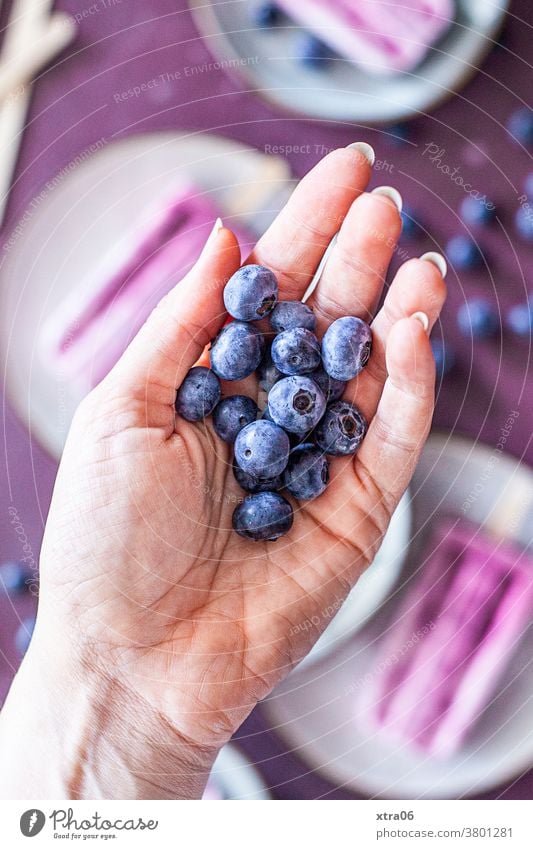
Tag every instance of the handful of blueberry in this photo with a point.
(305, 420)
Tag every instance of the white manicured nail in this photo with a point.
(365, 150)
(391, 193)
(438, 260)
(213, 234)
(423, 319)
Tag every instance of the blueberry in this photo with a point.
(310, 51)
(342, 429)
(255, 484)
(267, 373)
(332, 389)
(520, 319)
(13, 577)
(444, 357)
(398, 134)
(251, 293)
(262, 449)
(266, 15)
(24, 634)
(520, 126)
(477, 318)
(411, 227)
(307, 473)
(263, 516)
(287, 315)
(296, 403)
(198, 395)
(232, 414)
(477, 212)
(346, 347)
(463, 252)
(296, 351)
(524, 223)
(237, 351)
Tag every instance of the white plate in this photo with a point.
(67, 233)
(314, 711)
(344, 92)
(236, 777)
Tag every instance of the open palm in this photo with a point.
(139, 556)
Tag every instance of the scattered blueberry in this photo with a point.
(263, 516)
(463, 252)
(477, 318)
(346, 347)
(310, 51)
(520, 319)
(262, 449)
(24, 634)
(296, 403)
(256, 484)
(342, 429)
(266, 15)
(411, 227)
(267, 373)
(307, 473)
(524, 223)
(296, 351)
(198, 395)
(477, 212)
(332, 389)
(232, 414)
(520, 125)
(287, 315)
(251, 293)
(444, 357)
(237, 351)
(397, 134)
(13, 577)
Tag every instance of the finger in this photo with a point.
(398, 431)
(417, 287)
(184, 321)
(293, 245)
(354, 275)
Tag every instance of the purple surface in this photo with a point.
(75, 105)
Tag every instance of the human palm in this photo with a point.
(139, 555)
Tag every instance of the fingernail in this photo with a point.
(213, 234)
(365, 150)
(391, 193)
(423, 319)
(438, 260)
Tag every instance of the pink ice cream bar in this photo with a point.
(383, 36)
(90, 329)
(454, 636)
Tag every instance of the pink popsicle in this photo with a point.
(478, 596)
(383, 36)
(89, 331)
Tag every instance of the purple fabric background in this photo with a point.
(128, 42)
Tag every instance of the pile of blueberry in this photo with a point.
(305, 420)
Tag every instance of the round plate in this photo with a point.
(315, 709)
(234, 777)
(341, 91)
(66, 235)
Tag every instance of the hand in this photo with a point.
(178, 624)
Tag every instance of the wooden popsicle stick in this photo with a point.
(27, 17)
(17, 73)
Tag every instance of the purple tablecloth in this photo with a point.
(121, 44)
